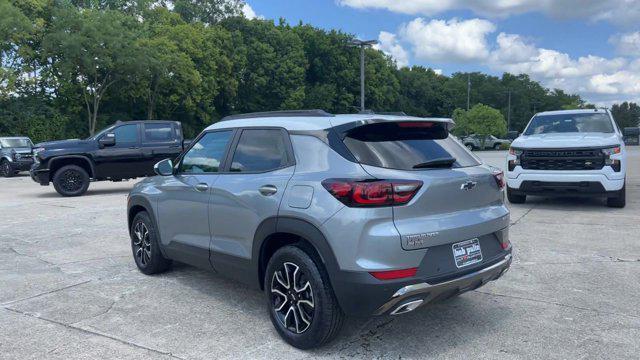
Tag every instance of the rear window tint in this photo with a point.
(158, 132)
(394, 146)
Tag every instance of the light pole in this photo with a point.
(362, 44)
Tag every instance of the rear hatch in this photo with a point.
(459, 199)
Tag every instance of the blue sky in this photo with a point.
(590, 47)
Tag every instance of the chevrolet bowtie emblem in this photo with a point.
(469, 185)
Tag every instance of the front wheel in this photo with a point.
(470, 147)
(5, 169)
(515, 198)
(619, 200)
(144, 245)
(301, 302)
(71, 180)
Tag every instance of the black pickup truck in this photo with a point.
(125, 150)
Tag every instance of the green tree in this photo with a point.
(626, 114)
(94, 49)
(15, 27)
(481, 120)
(207, 11)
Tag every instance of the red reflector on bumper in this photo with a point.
(394, 274)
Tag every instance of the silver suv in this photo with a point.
(329, 215)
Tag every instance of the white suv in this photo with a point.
(568, 153)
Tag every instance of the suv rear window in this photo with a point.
(405, 145)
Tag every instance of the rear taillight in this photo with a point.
(498, 175)
(394, 274)
(362, 193)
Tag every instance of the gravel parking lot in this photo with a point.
(69, 289)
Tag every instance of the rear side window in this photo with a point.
(260, 150)
(407, 146)
(126, 134)
(158, 132)
(207, 154)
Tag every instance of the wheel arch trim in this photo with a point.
(295, 226)
(80, 157)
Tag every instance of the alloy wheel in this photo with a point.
(5, 168)
(71, 181)
(292, 298)
(142, 243)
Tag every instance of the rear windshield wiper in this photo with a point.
(436, 163)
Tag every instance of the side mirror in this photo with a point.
(164, 167)
(109, 139)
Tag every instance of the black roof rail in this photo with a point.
(280, 113)
(371, 112)
(397, 113)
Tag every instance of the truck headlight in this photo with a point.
(614, 163)
(611, 151)
(37, 150)
(514, 162)
(514, 151)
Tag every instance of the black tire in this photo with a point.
(71, 180)
(5, 169)
(323, 320)
(470, 147)
(515, 198)
(619, 200)
(144, 246)
(496, 146)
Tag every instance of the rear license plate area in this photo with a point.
(467, 253)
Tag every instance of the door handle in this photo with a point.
(268, 190)
(202, 187)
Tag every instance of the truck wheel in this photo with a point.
(5, 169)
(71, 180)
(144, 244)
(301, 302)
(470, 147)
(515, 198)
(619, 200)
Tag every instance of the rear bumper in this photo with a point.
(424, 292)
(360, 294)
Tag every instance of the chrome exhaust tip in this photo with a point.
(407, 307)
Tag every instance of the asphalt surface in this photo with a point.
(69, 289)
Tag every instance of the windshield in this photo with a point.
(570, 123)
(16, 143)
(100, 133)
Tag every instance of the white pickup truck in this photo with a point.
(568, 153)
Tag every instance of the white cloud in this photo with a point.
(389, 45)
(453, 40)
(594, 77)
(248, 12)
(626, 12)
(627, 44)
(598, 79)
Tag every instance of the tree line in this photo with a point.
(70, 67)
